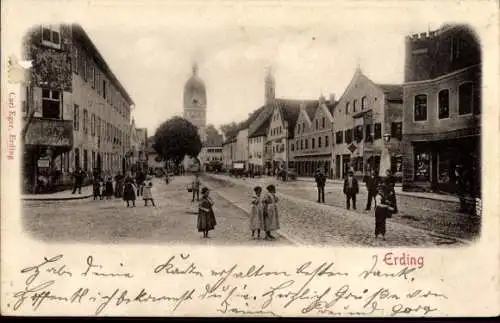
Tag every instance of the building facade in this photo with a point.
(442, 108)
(311, 147)
(80, 111)
(367, 121)
(211, 155)
(228, 152)
(138, 153)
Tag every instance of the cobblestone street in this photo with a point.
(310, 223)
(110, 221)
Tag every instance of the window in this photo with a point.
(104, 88)
(92, 125)
(94, 77)
(348, 136)
(364, 103)
(378, 131)
(50, 104)
(368, 133)
(77, 158)
(465, 98)
(85, 160)
(303, 126)
(85, 121)
(422, 166)
(317, 124)
(298, 128)
(85, 67)
(339, 137)
(292, 147)
(313, 141)
(51, 36)
(444, 104)
(326, 141)
(358, 133)
(306, 143)
(76, 117)
(347, 108)
(323, 122)
(354, 105)
(396, 164)
(397, 130)
(297, 144)
(319, 142)
(420, 107)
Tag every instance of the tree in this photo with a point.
(229, 128)
(176, 138)
(211, 130)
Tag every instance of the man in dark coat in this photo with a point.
(320, 178)
(372, 187)
(390, 183)
(78, 176)
(140, 178)
(351, 189)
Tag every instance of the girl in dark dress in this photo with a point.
(206, 217)
(384, 208)
(129, 192)
(109, 188)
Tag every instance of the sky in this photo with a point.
(313, 48)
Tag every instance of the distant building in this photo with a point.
(442, 110)
(367, 122)
(313, 135)
(81, 110)
(211, 152)
(228, 151)
(138, 158)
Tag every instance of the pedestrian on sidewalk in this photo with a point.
(256, 216)
(372, 183)
(96, 188)
(351, 189)
(384, 208)
(148, 194)
(320, 178)
(119, 185)
(270, 212)
(78, 176)
(195, 185)
(129, 192)
(109, 188)
(206, 216)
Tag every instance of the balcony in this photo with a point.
(50, 132)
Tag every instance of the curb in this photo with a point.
(80, 197)
(279, 232)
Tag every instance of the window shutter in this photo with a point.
(37, 101)
(66, 105)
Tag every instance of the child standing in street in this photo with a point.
(271, 216)
(196, 187)
(206, 216)
(256, 217)
(129, 192)
(96, 188)
(147, 195)
(384, 209)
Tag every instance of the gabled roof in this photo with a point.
(253, 116)
(262, 129)
(311, 107)
(393, 92)
(290, 110)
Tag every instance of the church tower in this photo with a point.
(195, 102)
(270, 87)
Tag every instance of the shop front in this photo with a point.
(446, 164)
(46, 162)
(306, 165)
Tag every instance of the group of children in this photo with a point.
(105, 189)
(264, 215)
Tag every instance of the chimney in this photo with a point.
(332, 97)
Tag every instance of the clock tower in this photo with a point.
(195, 102)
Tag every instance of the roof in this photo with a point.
(253, 116)
(393, 92)
(262, 129)
(80, 32)
(311, 107)
(290, 110)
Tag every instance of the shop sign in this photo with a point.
(43, 163)
(49, 132)
(351, 147)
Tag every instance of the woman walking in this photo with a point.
(129, 192)
(109, 188)
(206, 216)
(271, 216)
(256, 217)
